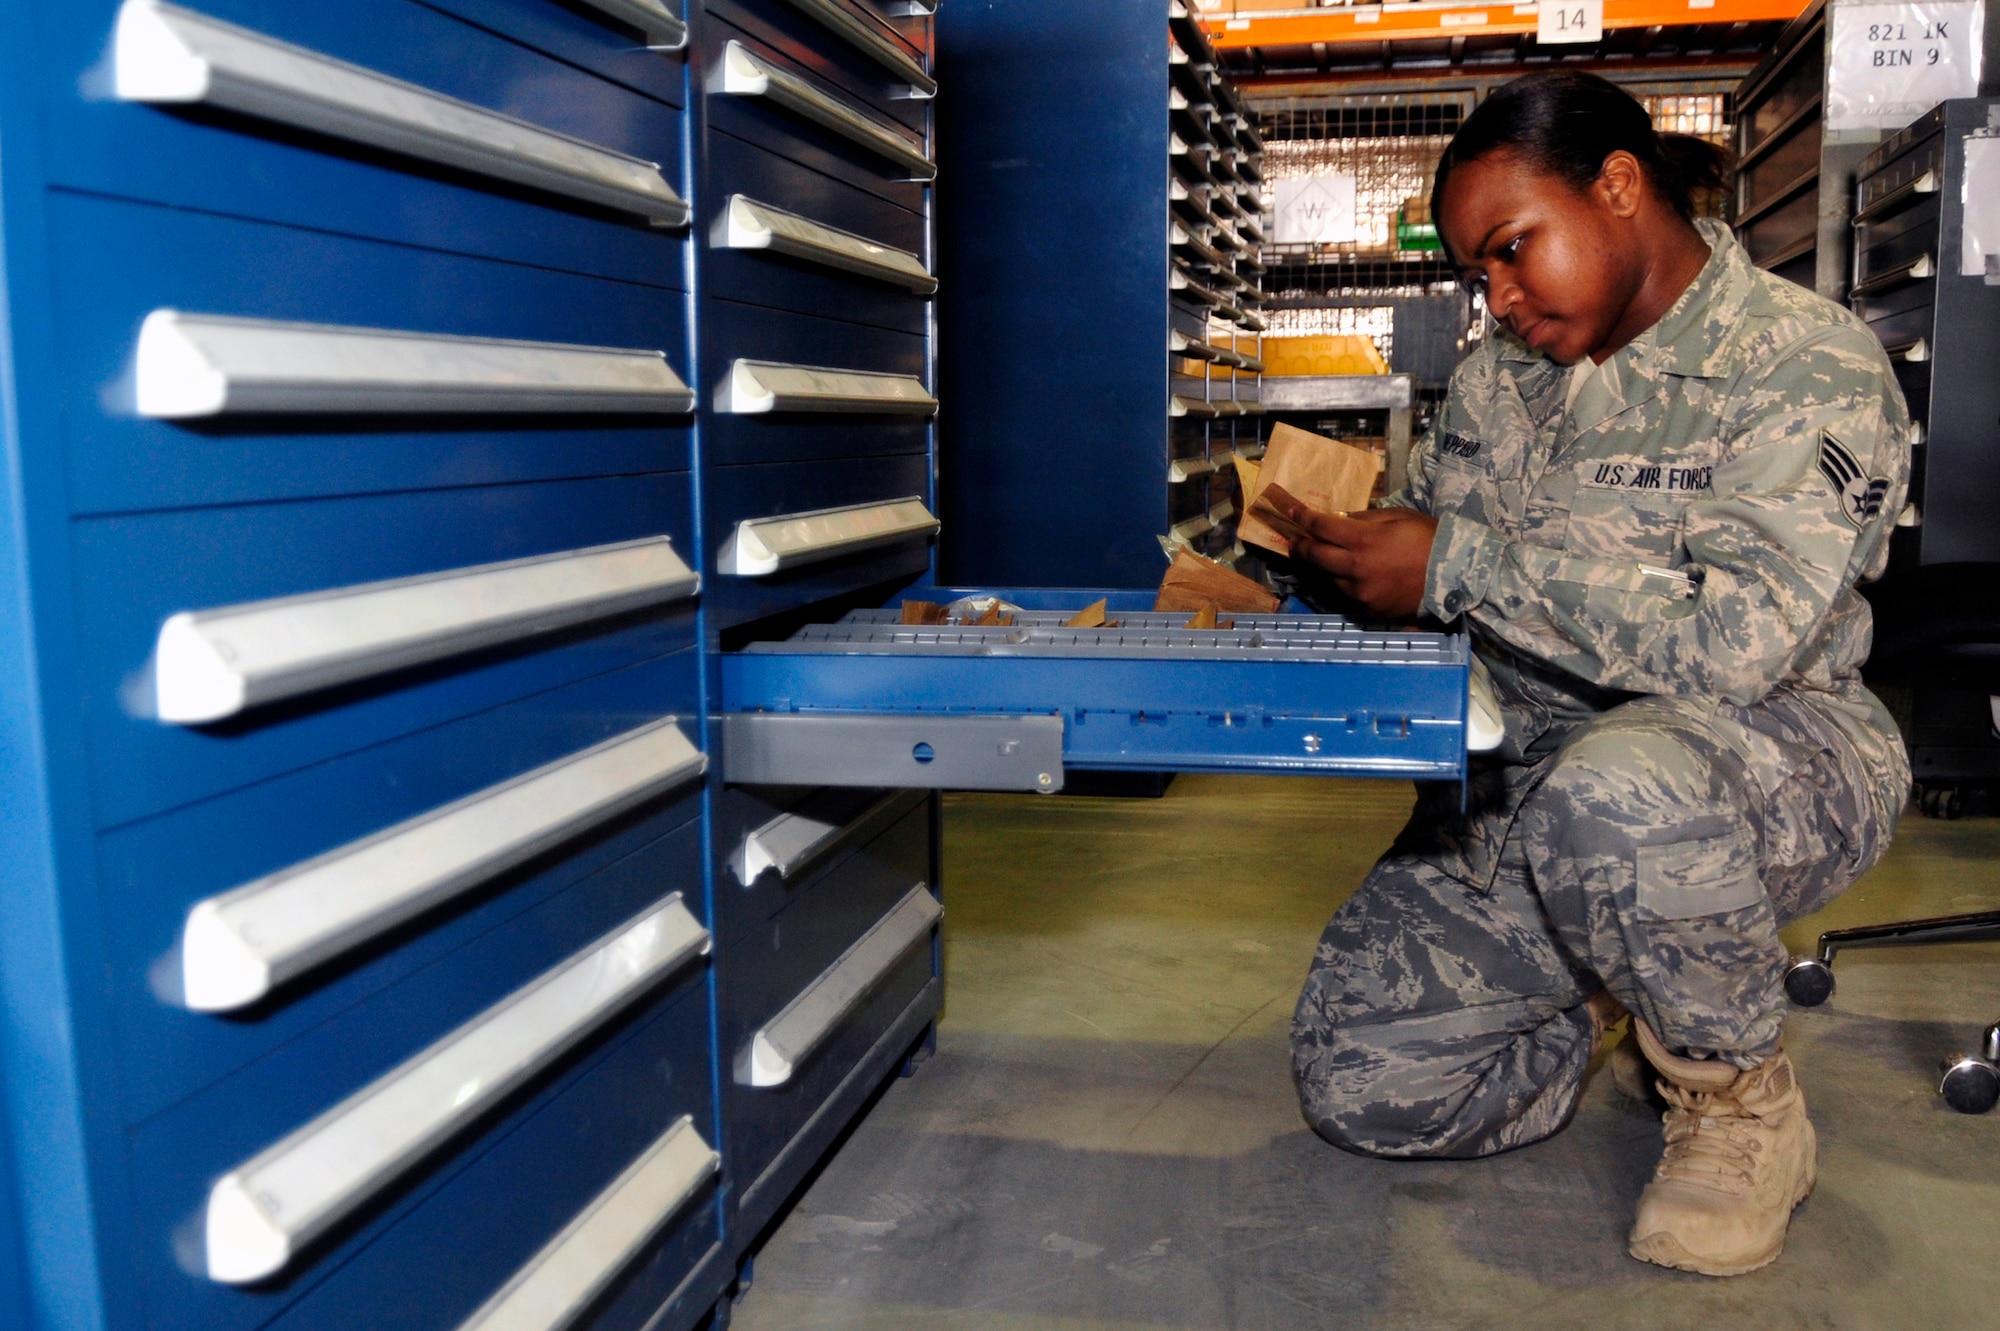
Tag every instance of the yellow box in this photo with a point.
(1343, 353)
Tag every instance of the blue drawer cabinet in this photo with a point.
(357, 950)
(417, 513)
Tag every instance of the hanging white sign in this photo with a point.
(1559, 21)
(1313, 210)
(1893, 62)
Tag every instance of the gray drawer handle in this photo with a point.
(791, 841)
(237, 946)
(759, 547)
(1910, 270)
(165, 55)
(788, 1039)
(1915, 351)
(663, 28)
(743, 73)
(193, 365)
(261, 1213)
(1189, 406)
(746, 224)
(1180, 344)
(1181, 281)
(1188, 469)
(871, 42)
(1927, 183)
(559, 1283)
(755, 387)
(209, 664)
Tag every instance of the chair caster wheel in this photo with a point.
(1970, 1085)
(1946, 802)
(1808, 981)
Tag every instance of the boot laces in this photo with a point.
(1712, 1141)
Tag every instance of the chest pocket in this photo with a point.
(1622, 524)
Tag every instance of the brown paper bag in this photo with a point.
(1193, 583)
(923, 612)
(1327, 476)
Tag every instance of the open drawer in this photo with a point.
(871, 701)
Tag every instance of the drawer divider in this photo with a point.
(262, 1213)
(211, 664)
(558, 1283)
(165, 55)
(744, 73)
(791, 842)
(759, 547)
(663, 28)
(192, 365)
(774, 1052)
(238, 946)
(870, 41)
(746, 224)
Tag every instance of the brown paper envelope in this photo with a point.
(1271, 508)
(1204, 618)
(923, 612)
(1324, 474)
(1090, 617)
(1194, 583)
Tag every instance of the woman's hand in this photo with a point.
(1378, 556)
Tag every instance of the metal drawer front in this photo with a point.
(165, 55)
(663, 28)
(743, 73)
(210, 664)
(792, 842)
(1889, 200)
(264, 1211)
(759, 492)
(561, 1281)
(865, 38)
(755, 387)
(237, 946)
(192, 365)
(748, 225)
(1278, 693)
(788, 1039)
(759, 547)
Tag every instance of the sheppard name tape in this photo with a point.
(1655, 477)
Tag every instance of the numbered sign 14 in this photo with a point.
(1558, 21)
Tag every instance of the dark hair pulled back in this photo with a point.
(1566, 124)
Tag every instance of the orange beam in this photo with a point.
(1460, 18)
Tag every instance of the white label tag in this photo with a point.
(1893, 62)
(1979, 238)
(1314, 210)
(1561, 21)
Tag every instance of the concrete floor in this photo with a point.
(1108, 1135)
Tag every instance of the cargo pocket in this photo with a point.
(1684, 880)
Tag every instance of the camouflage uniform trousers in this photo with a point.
(1446, 1018)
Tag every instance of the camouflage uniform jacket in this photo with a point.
(1693, 526)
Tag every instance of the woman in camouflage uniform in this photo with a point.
(1648, 497)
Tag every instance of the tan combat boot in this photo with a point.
(1740, 1155)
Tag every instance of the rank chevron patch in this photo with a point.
(1860, 494)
